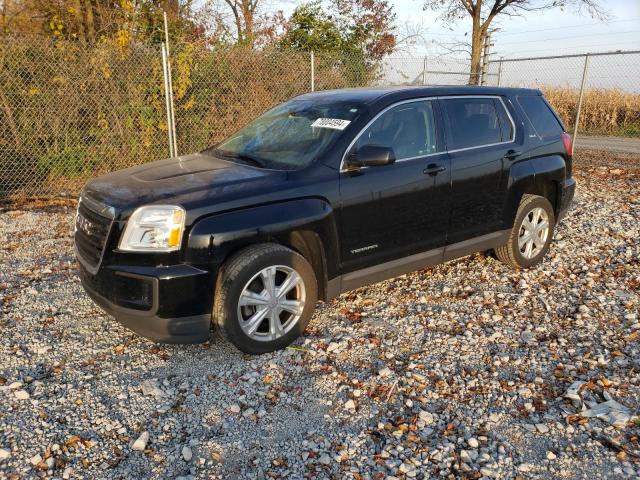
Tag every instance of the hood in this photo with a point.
(182, 180)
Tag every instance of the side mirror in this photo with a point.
(371, 156)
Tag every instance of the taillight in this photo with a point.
(566, 139)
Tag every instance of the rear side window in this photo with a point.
(408, 128)
(474, 122)
(540, 115)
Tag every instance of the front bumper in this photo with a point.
(567, 192)
(164, 304)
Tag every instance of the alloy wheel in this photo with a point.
(271, 303)
(533, 233)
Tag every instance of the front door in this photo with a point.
(392, 211)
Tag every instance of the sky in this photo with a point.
(551, 32)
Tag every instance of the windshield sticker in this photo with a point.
(335, 123)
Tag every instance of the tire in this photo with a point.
(515, 252)
(258, 274)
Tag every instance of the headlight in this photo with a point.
(154, 228)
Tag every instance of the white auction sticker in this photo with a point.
(335, 123)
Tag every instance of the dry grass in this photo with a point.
(609, 111)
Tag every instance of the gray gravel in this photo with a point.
(457, 371)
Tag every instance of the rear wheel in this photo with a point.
(531, 234)
(265, 297)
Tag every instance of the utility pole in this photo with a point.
(485, 58)
(582, 84)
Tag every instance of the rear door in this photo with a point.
(388, 212)
(480, 138)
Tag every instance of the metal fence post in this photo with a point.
(424, 71)
(500, 70)
(577, 122)
(313, 72)
(172, 124)
(166, 98)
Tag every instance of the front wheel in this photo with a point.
(265, 297)
(531, 234)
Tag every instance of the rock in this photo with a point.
(235, 408)
(542, 428)
(473, 442)
(21, 394)
(385, 372)
(4, 453)
(426, 417)
(350, 405)
(551, 455)
(36, 459)
(187, 454)
(464, 456)
(524, 467)
(248, 412)
(325, 459)
(151, 387)
(141, 443)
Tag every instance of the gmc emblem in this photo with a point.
(84, 225)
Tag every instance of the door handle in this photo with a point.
(434, 169)
(512, 154)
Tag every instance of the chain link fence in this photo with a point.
(611, 93)
(70, 112)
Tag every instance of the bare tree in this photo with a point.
(484, 12)
(244, 15)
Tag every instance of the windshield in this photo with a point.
(291, 135)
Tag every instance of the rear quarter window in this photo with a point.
(542, 118)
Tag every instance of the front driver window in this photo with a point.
(408, 128)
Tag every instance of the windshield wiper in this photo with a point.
(245, 157)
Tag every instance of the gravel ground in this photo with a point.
(456, 371)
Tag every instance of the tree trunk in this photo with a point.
(77, 12)
(247, 14)
(4, 16)
(476, 50)
(91, 30)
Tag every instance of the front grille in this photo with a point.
(92, 230)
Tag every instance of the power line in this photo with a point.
(522, 32)
(573, 36)
(556, 48)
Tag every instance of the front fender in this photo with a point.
(213, 238)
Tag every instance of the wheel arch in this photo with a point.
(547, 189)
(304, 242)
(306, 226)
(542, 176)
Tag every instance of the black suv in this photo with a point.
(322, 194)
